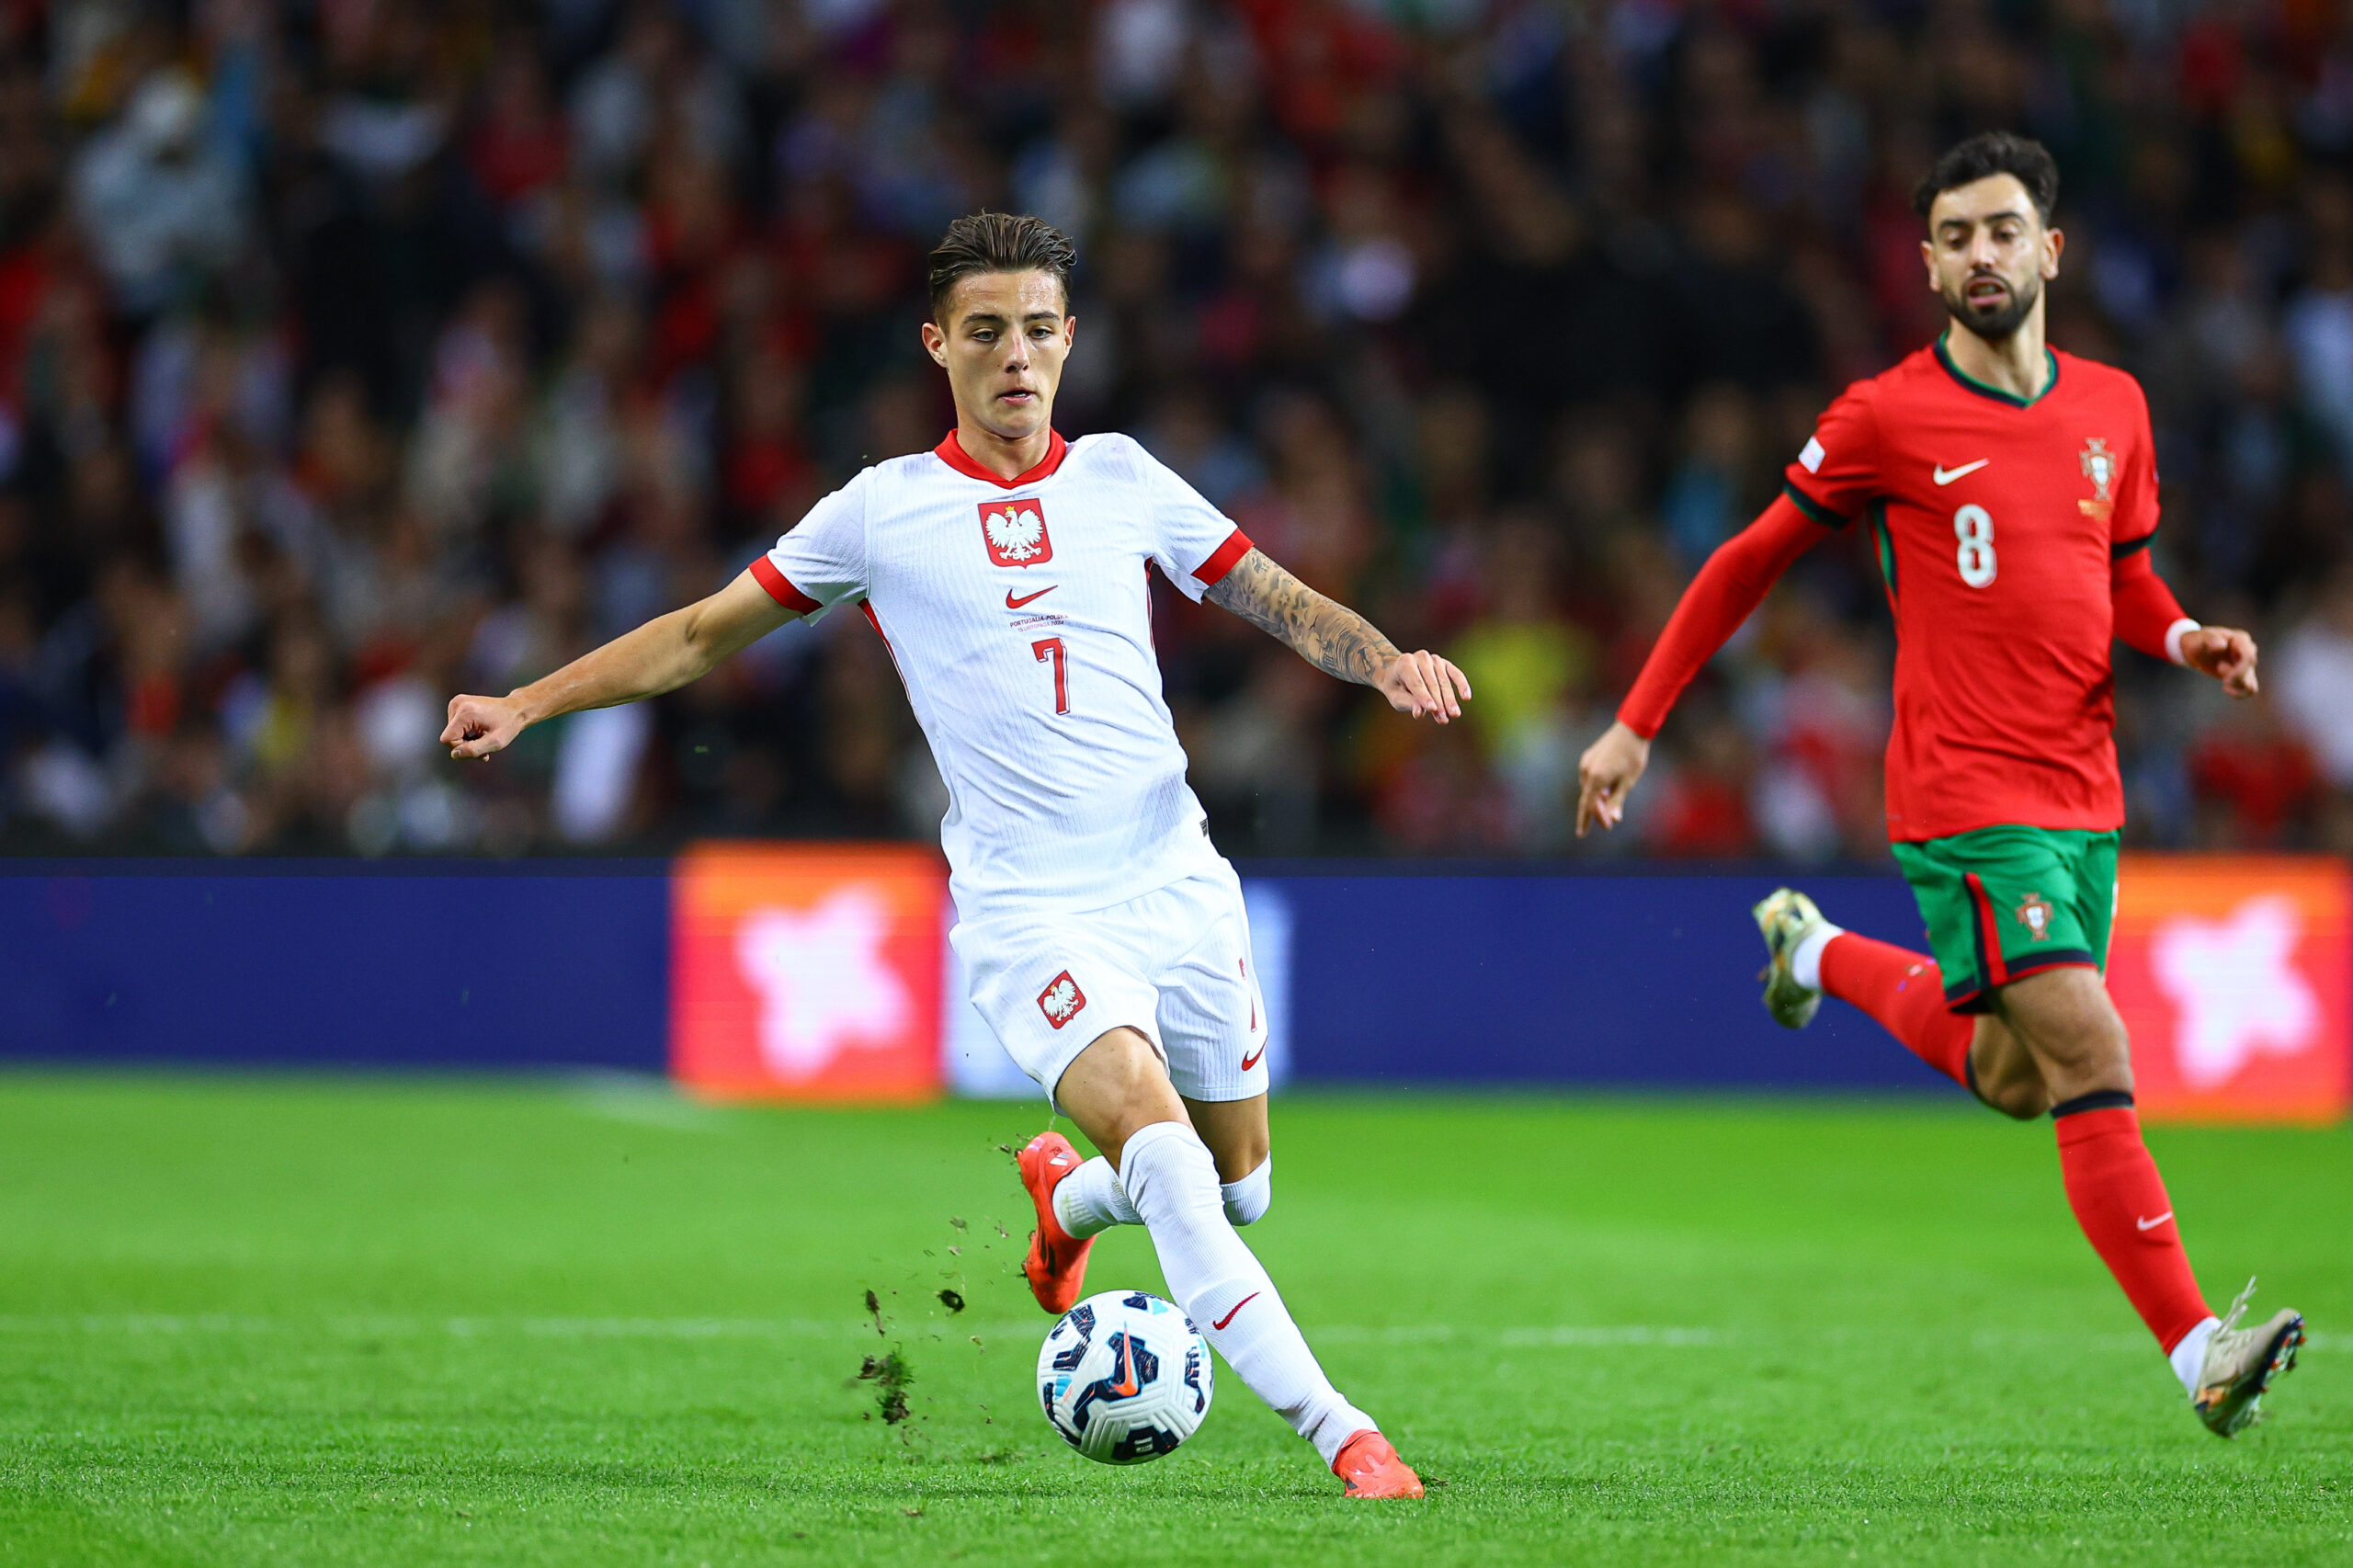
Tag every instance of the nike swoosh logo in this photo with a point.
(1237, 1307)
(1250, 1062)
(1012, 603)
(2152, 1224)
(1126, 1387)
(1947, 475)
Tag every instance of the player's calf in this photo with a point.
(1120, 1096)
(2002, 1071)
(1235, 1131)
(1090, 1201)
(1807, 957)
(2065, 1021)
(1247, 1201)
(1223, 1287)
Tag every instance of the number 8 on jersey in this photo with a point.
(1974, 525)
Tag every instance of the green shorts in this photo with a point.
(2003, 902)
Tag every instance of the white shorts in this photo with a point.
(1172, 965)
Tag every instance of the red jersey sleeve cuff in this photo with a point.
(1643, 724)
(1222, 560)
(780, 588)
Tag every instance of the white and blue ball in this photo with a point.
(1124, 1377)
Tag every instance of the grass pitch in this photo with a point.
(250, 1320)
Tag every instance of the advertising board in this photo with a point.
(2232, 973)
(807, 971)
(822, 973)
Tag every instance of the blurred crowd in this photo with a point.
(356, 352)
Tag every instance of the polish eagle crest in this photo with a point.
(1016, 533)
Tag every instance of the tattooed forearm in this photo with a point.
(1331, 637)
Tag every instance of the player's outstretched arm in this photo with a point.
(661, 655)
(2149, 617)
(1731, 584)
(1338, 641)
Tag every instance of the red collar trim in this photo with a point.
(951, 452)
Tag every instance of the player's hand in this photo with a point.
(480, 726)
(2226, 654)
(1421, 683)
(1606, 775)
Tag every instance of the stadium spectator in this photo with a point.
(2314, 676)
(352, 354)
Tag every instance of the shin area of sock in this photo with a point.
(2121, 1202)
(1905, 990)
(1170, 1178)
(1090, 1201)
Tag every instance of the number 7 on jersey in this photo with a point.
(1051, 648)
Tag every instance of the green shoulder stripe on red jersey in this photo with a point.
(2124, 547)
(2050, 360)
(1813, 508)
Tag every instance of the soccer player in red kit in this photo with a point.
(2011, 493)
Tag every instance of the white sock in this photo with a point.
(1090, 1201)
(1805, 964)
(2190, 1354)
(1169, 1175)
(1247, 1200)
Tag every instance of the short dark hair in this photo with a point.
(1993, 153)
(998, 241)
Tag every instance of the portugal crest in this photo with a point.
(2099, 467)
(1016, 533)
(2034, 913)
(1061, 1000)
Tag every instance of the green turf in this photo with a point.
(253, 1321)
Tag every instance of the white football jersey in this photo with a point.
(1020, 617)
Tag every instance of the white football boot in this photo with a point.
(2240, 1364)
(1786, 918)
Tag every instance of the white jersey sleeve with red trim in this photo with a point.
(1193, 544)
(822, 561)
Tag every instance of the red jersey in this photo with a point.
(1998, 522)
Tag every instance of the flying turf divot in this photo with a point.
(892, 1373)
(888, 1372)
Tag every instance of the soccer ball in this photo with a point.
(1124, 1377)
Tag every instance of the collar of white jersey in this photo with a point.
(951, 452)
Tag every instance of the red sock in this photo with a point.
(2114, 1188)
(1905, 990)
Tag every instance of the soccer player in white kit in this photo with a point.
(1102, 931)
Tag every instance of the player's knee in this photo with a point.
(2097, 1059)
(1247, 1201)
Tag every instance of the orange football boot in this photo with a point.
(1372, 1468)
(1056, 1267)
